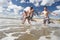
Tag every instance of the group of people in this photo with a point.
(28, 15)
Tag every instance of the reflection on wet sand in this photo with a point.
(2, 35)
(12, 30)
(35, 34)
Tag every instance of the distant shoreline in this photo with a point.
(20, 18)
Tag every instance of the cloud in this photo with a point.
(7, 12)
(22, 1)
(32, 1)
(56, 11)
(40, 2)
(1, 9)
(14, 7)
(58, 7)
(43, 2)
(9, 5)
(3, 3)
(48, 2)
(35, 2)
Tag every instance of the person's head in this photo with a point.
(31, 8)
(45, 7)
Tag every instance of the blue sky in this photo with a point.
(37, 8)
(14, 7)
(40, 8)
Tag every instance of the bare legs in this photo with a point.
(33, 20)
(25, 20)
(29, 22)
(46, 21)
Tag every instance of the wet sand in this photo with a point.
(13, 30)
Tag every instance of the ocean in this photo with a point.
(13, 29)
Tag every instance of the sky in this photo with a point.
(16, 7)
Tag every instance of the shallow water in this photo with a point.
(11, 29)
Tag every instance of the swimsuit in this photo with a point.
(46, 19)
(29, 17)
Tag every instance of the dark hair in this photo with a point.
(31, 7)
(45, 6)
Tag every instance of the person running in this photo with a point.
(28, 12)
(46, 15)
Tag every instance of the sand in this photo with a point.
(13, 30)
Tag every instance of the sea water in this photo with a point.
(12, 29)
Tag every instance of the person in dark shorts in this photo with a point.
(46, 20)
(46, 15)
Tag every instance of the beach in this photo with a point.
(13, 29)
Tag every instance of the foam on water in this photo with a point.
(52, 37)
(37, 26)
(5, 29)
(9, 37)
(54, 25)
(9, 28)
(43, 38)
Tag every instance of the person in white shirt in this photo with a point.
(28, 12)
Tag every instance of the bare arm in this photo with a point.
(23, 14)
(53, 13)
